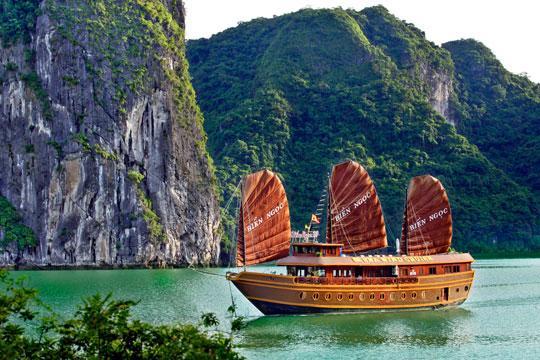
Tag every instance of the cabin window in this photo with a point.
(392, 296)
(302, 295)
(381, 296)
(451, 269)
(432, 270)
(339, 297)
(403, 296)
(327, 296)
(466, 288)
(372, 296)
(423, 294)
(404, 272)
(315, 296)
(362, 296)
(413, 295)
(351, 297)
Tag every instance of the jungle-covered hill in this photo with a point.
(300, 92)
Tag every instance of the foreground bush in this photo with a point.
(102, 328)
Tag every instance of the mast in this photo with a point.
(319, 212)
(405, 230)
(243, 242)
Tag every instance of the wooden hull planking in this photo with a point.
(282, 294)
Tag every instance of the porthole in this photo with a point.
(457, 289)
(339, 297)
(466, 288)
(381, 296)
(315, 296)
(302, 295)
(423, 295)
(327, 296)
(403, 296)
(362, 297)
(351, 297)
(372, 296)
(392, 296)
(413, 295)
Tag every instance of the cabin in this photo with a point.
(325, 263)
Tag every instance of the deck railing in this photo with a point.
(317, 280)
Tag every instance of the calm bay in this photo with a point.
(501, 318)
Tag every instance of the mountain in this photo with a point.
(300, 92)
(104, 159)
(499, 112)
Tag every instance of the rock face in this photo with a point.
(439, 86)
(104, 152)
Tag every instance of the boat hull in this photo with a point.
(281, 294)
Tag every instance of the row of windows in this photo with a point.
(451, 269)
(362, 296)
(372, 296)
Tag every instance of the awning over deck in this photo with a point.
(375, 260)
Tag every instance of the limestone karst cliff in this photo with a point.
(104, 155)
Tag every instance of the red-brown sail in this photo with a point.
(427, 221)
(355, 216)
(264, 228)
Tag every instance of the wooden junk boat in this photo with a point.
(335, 276)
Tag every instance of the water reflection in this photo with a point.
(418, 328)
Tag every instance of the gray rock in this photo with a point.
(67, 174)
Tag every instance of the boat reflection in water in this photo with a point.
(410, 329)
(334, 276)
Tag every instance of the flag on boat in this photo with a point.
(315, 219)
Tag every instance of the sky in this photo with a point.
(511, 29)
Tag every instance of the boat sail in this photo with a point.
(427, 219)
(355, 216)
(264, 230)
(319, 278)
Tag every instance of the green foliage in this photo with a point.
(153, 222)
(17, 20)
(70, 80)
(33, 81)
(498, 111)
(29, 148)
(11, 225)
(104, 153)
(301, 92)
(102, 328)
(135, 176)
(57, 147)
(97, 149)
(82, 140)
(11, 66)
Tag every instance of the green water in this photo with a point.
(501, 319)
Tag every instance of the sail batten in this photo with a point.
(427, 219)
(264, 228)
(355, 216)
